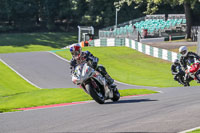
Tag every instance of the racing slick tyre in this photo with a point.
(116, 95)
(95, 93)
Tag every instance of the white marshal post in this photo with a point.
(198, 42)
(83, 30)
(79, 34)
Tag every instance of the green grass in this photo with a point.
(191, 48)
(129, 66)
(17, 93)
(195, 131)
(26, 42)
(53, 96)
(27, 48)
(11, 83)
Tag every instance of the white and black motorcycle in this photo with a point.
(94, 84)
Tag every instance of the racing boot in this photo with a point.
(181, 80)
(110, 82)
(113, 87)
(109, 79)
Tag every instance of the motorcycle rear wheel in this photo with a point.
(95, 94)
(116, 95)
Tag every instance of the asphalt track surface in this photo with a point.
(172, 110)
(46, 70)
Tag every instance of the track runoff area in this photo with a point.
(151, 103)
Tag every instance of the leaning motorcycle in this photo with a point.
(180, 77)
(94, 84)
(193, 68)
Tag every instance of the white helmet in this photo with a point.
(75, 50)
(183, 50)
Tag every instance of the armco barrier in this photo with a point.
(146, 49)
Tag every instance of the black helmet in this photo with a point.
(176, 62)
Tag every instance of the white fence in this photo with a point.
(146, 49)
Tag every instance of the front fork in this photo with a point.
(108, 93)
(92, 82)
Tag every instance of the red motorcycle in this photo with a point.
(193, 68)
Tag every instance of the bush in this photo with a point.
(6, 28)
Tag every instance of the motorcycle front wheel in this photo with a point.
(95, 93)
(198, 75)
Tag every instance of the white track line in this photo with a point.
(41, 88)
(115, 80)
(189, 130)
(63, 60)
(58, 56)
(132, 85)
(160, 91)
(19, 74)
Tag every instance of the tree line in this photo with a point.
(65, 15)
(191, 9)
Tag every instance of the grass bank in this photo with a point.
(195, 131)
(130, 66)
(17, 93)
(191, 48)
(26, 42)
(53, 96)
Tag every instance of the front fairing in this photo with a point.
(84, 72)
(193, 65)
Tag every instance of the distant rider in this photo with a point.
(79, 57)
(185, 57)
(178, 73)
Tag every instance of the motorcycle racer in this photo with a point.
(79, 57)
(185, 58)
(178, 72)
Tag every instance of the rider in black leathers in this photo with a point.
(79, 56)
(178, 73)
(185, 57)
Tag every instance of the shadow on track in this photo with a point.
(131, 101)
